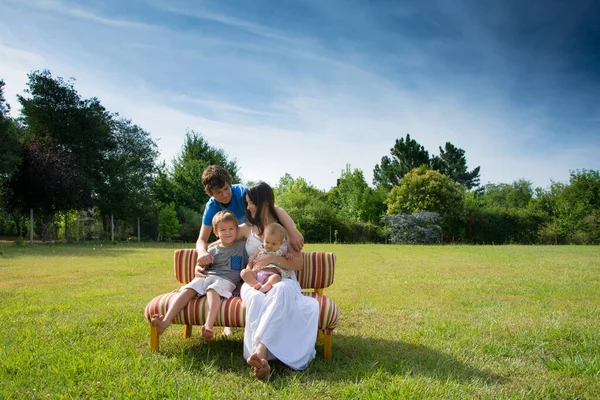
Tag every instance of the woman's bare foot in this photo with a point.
(207, 334)
(159, 323)
(262, 369)
(266, 287)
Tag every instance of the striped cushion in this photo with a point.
(185, 265)
(329, 315)
(318, 271)
(233, 311)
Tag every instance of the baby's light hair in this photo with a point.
(275, 229)
(222, 216)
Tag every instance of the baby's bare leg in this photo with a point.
(249, 277)
(271, 280)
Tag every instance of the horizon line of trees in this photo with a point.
(80, 167)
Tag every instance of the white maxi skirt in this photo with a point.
(283, 320)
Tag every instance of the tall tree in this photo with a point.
(355, 199)
(307, 206)
(406, 155)
(577, 207)
(452, 163)
(195, 156)
(128, 172)
(67, 132)
(10, 143)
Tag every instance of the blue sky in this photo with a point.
(305, 87)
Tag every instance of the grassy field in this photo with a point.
(416, 322)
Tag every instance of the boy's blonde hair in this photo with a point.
(223, 216)
(275, 229)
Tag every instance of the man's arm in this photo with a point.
(295, 238)
(202, 245)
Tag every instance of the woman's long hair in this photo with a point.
(261, 195)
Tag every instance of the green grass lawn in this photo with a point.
(416, 322)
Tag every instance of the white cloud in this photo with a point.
(322, 109)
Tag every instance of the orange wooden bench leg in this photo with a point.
(327, 346)
(320, 336)
(154, 339)
(187, 331)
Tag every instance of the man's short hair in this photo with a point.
(222, 216)
(215, 177)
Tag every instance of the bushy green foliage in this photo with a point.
(354, 199)
(191, 222)
(168, 224)
(504, 213)
(186, 173)
(423, 189)
(10, 139)
(576, 207)
(128, 172)
(307, 206)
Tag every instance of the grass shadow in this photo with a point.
(354, 359)
(366, 355)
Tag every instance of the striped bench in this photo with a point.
(317, 274)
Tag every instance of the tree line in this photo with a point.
(80, 167)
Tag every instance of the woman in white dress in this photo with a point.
(281, 323)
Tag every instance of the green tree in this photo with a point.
(307, 206)
(424, 189)
(452, 163)
(406, 155)
(517, 195)
(163, 187)
(10, 139)
(128, 173)
(55, 113)
(64, 147)
(355, 199)
(195, 156)
(576, 207)
(168, 224)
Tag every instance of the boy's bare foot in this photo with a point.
(207, 334)
(258, 286)
(158, 322)
(262, 369)
(266, 287)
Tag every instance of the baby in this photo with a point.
(263, 279)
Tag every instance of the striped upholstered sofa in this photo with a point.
(317, 274)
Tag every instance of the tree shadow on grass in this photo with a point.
(354, 359)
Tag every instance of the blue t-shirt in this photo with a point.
(237, 205)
